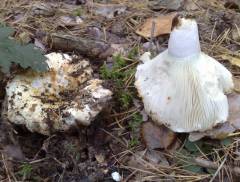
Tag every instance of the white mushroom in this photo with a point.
(63, 97)
(182, 87)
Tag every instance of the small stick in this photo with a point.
(6, 168)
(205, 163)
(219, 168)
(152, 35)
(213, 30)
(212, 165)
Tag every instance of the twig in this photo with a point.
(212, 165)
(219, 168)
(152, 35)
(81, 45)
(205, 163)
(6, 168)
(117, 139)
(213, 30)
(130, 176)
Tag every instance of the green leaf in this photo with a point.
(211, 171)
(119, 61)
(5, 32)
(25, 170)
(125, 98)
(135, 122)
(27, 56)
(226, 142)
(133, 53)
(191, 146)
(193, 168)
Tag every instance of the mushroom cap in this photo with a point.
(186, 95)
(64, 97)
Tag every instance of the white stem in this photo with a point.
(184, 39)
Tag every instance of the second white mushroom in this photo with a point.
(182, 87)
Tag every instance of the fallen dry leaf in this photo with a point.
(222, 131)
(232, 59)
(157, 137)
(163, 25)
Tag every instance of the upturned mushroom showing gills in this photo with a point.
(182, 87)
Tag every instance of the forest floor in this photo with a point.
(116, 141)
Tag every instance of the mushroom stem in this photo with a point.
(184, 39)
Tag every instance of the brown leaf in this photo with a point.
(157, 137)
(163, 25)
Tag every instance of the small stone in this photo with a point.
(108, 10)
(116, 176)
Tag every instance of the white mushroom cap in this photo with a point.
(64, 97)
(182, 87)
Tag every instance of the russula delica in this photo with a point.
(65, 96)
(182, 87)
